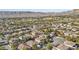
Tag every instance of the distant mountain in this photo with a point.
(14, 14)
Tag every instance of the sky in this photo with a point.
(37, 10)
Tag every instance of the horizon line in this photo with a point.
(37, 10)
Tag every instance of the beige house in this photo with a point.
(23, 46)
(30, 43)
(69, 44)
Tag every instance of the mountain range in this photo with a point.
(15, 14)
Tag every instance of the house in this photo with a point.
(23, 46)
(74, 29)
(14, 41)
(36, 33)
(30, 43)
(3, 42)
(55, 48)
(52, 34)
(41, 37)
(38, 39)
(66, 33)
(69, 44)
(62, 47)
(58, 40)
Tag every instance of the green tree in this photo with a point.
(49, 46)
(34, 47)
(2, 48)
(14, 47)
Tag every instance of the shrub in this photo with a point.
(49, 46)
